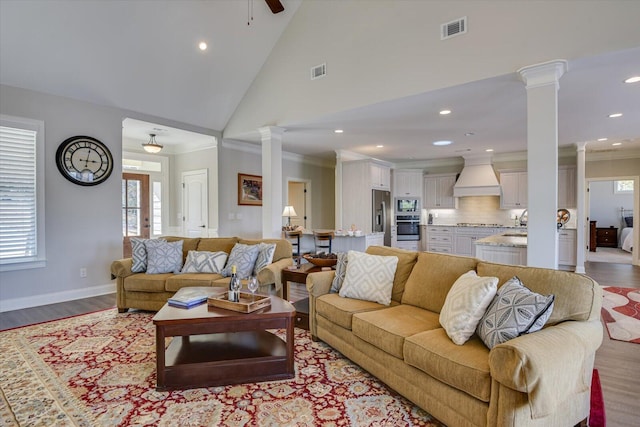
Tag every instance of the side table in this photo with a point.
(299, 275)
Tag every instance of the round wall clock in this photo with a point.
(84, 160)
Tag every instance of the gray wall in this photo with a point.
(604, 204)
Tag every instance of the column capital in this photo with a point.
(543, 74)
(581, 146)
(268, 132)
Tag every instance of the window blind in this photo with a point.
(18, 213)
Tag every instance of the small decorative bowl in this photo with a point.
(321, 262)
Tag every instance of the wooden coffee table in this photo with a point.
(214, 346)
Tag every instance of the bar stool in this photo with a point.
(294, 238)
(322, 240)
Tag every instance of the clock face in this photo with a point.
(84, 160)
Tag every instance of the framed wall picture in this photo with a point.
(249, 190)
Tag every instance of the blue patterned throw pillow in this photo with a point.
(139, 254)
(244, 258)
(265, 256)
(204, 262)
(514, 311)
(164, 257)
(341, 270)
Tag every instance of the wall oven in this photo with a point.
(407, 227)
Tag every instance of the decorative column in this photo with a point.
(582, 208)
(338, 191)
(541, 81)
(272, 203)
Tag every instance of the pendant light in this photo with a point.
(152, 146)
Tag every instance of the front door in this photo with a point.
(135, 209)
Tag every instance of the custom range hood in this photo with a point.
(477, 178)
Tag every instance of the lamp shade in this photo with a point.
(289, 211)
(152, 146)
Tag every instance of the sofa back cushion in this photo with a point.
(188, 244)
(283, 247)
(577, 297)
(433, 276)
(217, 244)
(406, 261)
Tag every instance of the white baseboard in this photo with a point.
(56, 297)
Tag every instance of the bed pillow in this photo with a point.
(465, 305)
(204, 262)
(514, 311)
(163, 257)
(369, 277)
(139, 254)
(341, 270)
(244, 258)
(265, 256)
(629, 221)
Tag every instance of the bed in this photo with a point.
(626, 235)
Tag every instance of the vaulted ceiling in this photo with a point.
(388, 72)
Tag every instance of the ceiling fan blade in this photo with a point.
(275, 6)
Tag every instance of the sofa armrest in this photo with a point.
(550, 365)
(121, 268)
(319, 283)
(272, 273)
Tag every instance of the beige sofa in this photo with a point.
(537, 379)
(151, 291)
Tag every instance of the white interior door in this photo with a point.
(195, 205)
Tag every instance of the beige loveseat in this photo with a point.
(151, 291)
(538, 379)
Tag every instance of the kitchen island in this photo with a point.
(343, 243)
(505, 248)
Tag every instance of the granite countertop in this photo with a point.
(514, 240)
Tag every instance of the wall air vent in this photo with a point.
(453, 28)
(318, 71)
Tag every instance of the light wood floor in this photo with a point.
(617, 362)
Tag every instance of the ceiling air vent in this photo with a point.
(318, 71)
(453, 28)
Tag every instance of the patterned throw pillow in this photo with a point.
(341, 270)
(265, 256)
(204, 262)
(139, 254)
(164, 257)
(514, 311)
(244, 258)
(369, 277)
(465, 304)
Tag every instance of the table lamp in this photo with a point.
(289, 212)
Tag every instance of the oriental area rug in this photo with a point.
(98, 369)
(621, 313)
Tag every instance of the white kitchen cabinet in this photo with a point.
(356, 195)
(502, 254)
(438, 191)
(514, 190)
(410, 245)
(567, 187)
(407, 183)
(440, 239)
(567, 247)
(380, 176)
(465, 237)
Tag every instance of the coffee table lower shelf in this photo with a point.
(224, 358)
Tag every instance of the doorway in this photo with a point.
(299, 196)
(195, 203)
(135, 209)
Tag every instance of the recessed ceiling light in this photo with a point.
(338, 131)
(469, 134)
(614, 115)
(202, 46)
(617, 143)
(489, 150)
(445, 112)
(439, 143)
(602, 139)
(634, 79)
(379, 146)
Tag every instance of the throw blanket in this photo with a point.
(627, 239)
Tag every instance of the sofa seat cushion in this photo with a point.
(179, 281)
(340, 310)
(465, 367)
(143, 282)
(387, 329)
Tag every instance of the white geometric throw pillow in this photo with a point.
(139, 254)
(204, 262)
(465, 304)
(164, 257)
(244, 258)
(369, 277)
(265, 256)
(514, 311)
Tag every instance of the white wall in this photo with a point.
(604, 204)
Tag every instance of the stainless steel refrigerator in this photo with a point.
(381, 221)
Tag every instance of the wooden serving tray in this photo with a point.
(248, 302)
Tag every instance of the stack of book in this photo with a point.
(188, 297)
